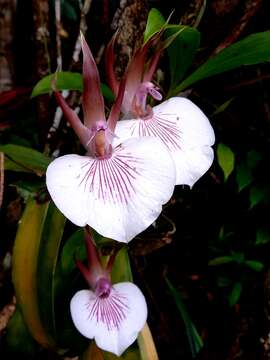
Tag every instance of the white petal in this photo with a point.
(120, 318)
(119, 197)
(184, 129)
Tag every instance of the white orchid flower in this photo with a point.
(118, 189)
(112, 314)
(177, 122)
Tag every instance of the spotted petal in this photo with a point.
(184, 129)
(114, 322)
(120, 196)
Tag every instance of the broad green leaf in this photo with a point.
(254, 265)
(27, 158)
(244, 176)
(25, 263)
(66, 80)
(225, 158)
(262, 236)
(155, 21)
(194, 339)
(18, 338)
(253, 158)
(221, 260)
(181, 51)
(259, 193)
(52, 232)
(254, 49)
(235, 293)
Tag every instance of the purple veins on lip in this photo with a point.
(112, 179)
(110, 310)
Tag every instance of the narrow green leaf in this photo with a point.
(221, 260)
(235, 293)
(66, 80)
(27, 158)
(254, 49)
(254, 265)
(194, 339)
(223, 107)
(52, 233)
(12, 166)
(155, 21)
(25, 263)
(225, 158)
(181, 51)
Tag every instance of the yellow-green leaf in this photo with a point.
(226, 159)
(25, 262)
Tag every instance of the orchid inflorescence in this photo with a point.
(129, 171)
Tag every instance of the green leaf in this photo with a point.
(18, 338)
(181, 52)
(254, 265)
(235, 293)
(223, 107)
(258, 194)
(13, 166)
(69, 11)
(225, 158)
(25, 263)
(155, 22)
(73, 248)
(66, 80)
(194, 339)
(52, 232)
(29, 189)
(244, 176)
(221, 260)
(262, 236)
(27, 158)
(254, 49)
(253, 158)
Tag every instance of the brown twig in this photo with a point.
(250, 9)
(2, 172)
(43, 63)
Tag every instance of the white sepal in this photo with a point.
(119, 197)
(184, 129)
(113, 322)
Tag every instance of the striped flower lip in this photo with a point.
(184, 130)
(113, 315)
(118, 189)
